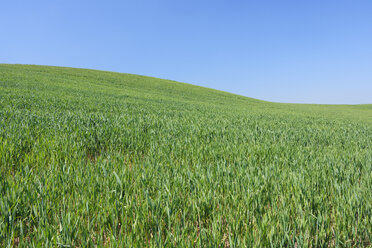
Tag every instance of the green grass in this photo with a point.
(100, 158)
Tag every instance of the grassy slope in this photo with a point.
(94, 157)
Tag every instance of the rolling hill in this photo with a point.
(92, 157)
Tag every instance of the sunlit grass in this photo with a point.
(99, 158)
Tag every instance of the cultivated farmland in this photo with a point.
(100, 158)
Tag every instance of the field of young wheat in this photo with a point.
(99, 158)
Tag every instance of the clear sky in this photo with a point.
(317, 51)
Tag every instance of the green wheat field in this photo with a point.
(93, 158)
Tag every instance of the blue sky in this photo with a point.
(285, 51)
